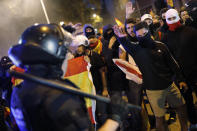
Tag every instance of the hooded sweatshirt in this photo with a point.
(154, 61)
(88, 34)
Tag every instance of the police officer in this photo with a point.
(41, 51)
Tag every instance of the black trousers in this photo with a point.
(192, 113)
(134, 95)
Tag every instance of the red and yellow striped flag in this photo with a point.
(16, 81)
(78, 72)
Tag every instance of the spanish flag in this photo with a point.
(97, 47)
(16, 81)
(78, 72)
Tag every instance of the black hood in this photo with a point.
(106, 28)
(165, 26)
(153, 28)
(87, 34)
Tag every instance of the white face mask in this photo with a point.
(172, 16)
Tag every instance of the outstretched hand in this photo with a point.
(119, 31)
(129, 9)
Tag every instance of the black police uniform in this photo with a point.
(35, 107)
(39, 108)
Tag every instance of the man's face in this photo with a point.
(184, 15)
(80, 50)
(148, 21)
(88, 30)
(129, 28)
(141, 32)
(163, 16)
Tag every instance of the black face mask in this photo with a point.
(89, 33)
(108, 36)
(133, 39)
(165, 25)
(164, 21)
(146, 41)
(151, 28)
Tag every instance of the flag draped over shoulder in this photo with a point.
(78, 72)
(16, 81)
(98, 47)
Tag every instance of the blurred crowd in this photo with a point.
(153, 56)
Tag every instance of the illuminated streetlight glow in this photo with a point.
(61, 23)
(94, 15)
(36, 24)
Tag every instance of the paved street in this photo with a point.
(172, 127)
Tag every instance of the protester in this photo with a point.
(148, 57)
(133, 90)
(156, 65)
(95, 43)
(149, 20)
(186, 19)
(111, 51)
(191, 7)
(98, 73)
(163, 26)
(44, 108)
(181, 42)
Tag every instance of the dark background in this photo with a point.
(17, 15)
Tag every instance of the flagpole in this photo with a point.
(45, 12)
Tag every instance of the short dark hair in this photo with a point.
(164, 10)
(139, 26)
(130, 20)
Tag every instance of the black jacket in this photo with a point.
(114, 83)
(183, 44)
(156, 64)
(40, 108)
